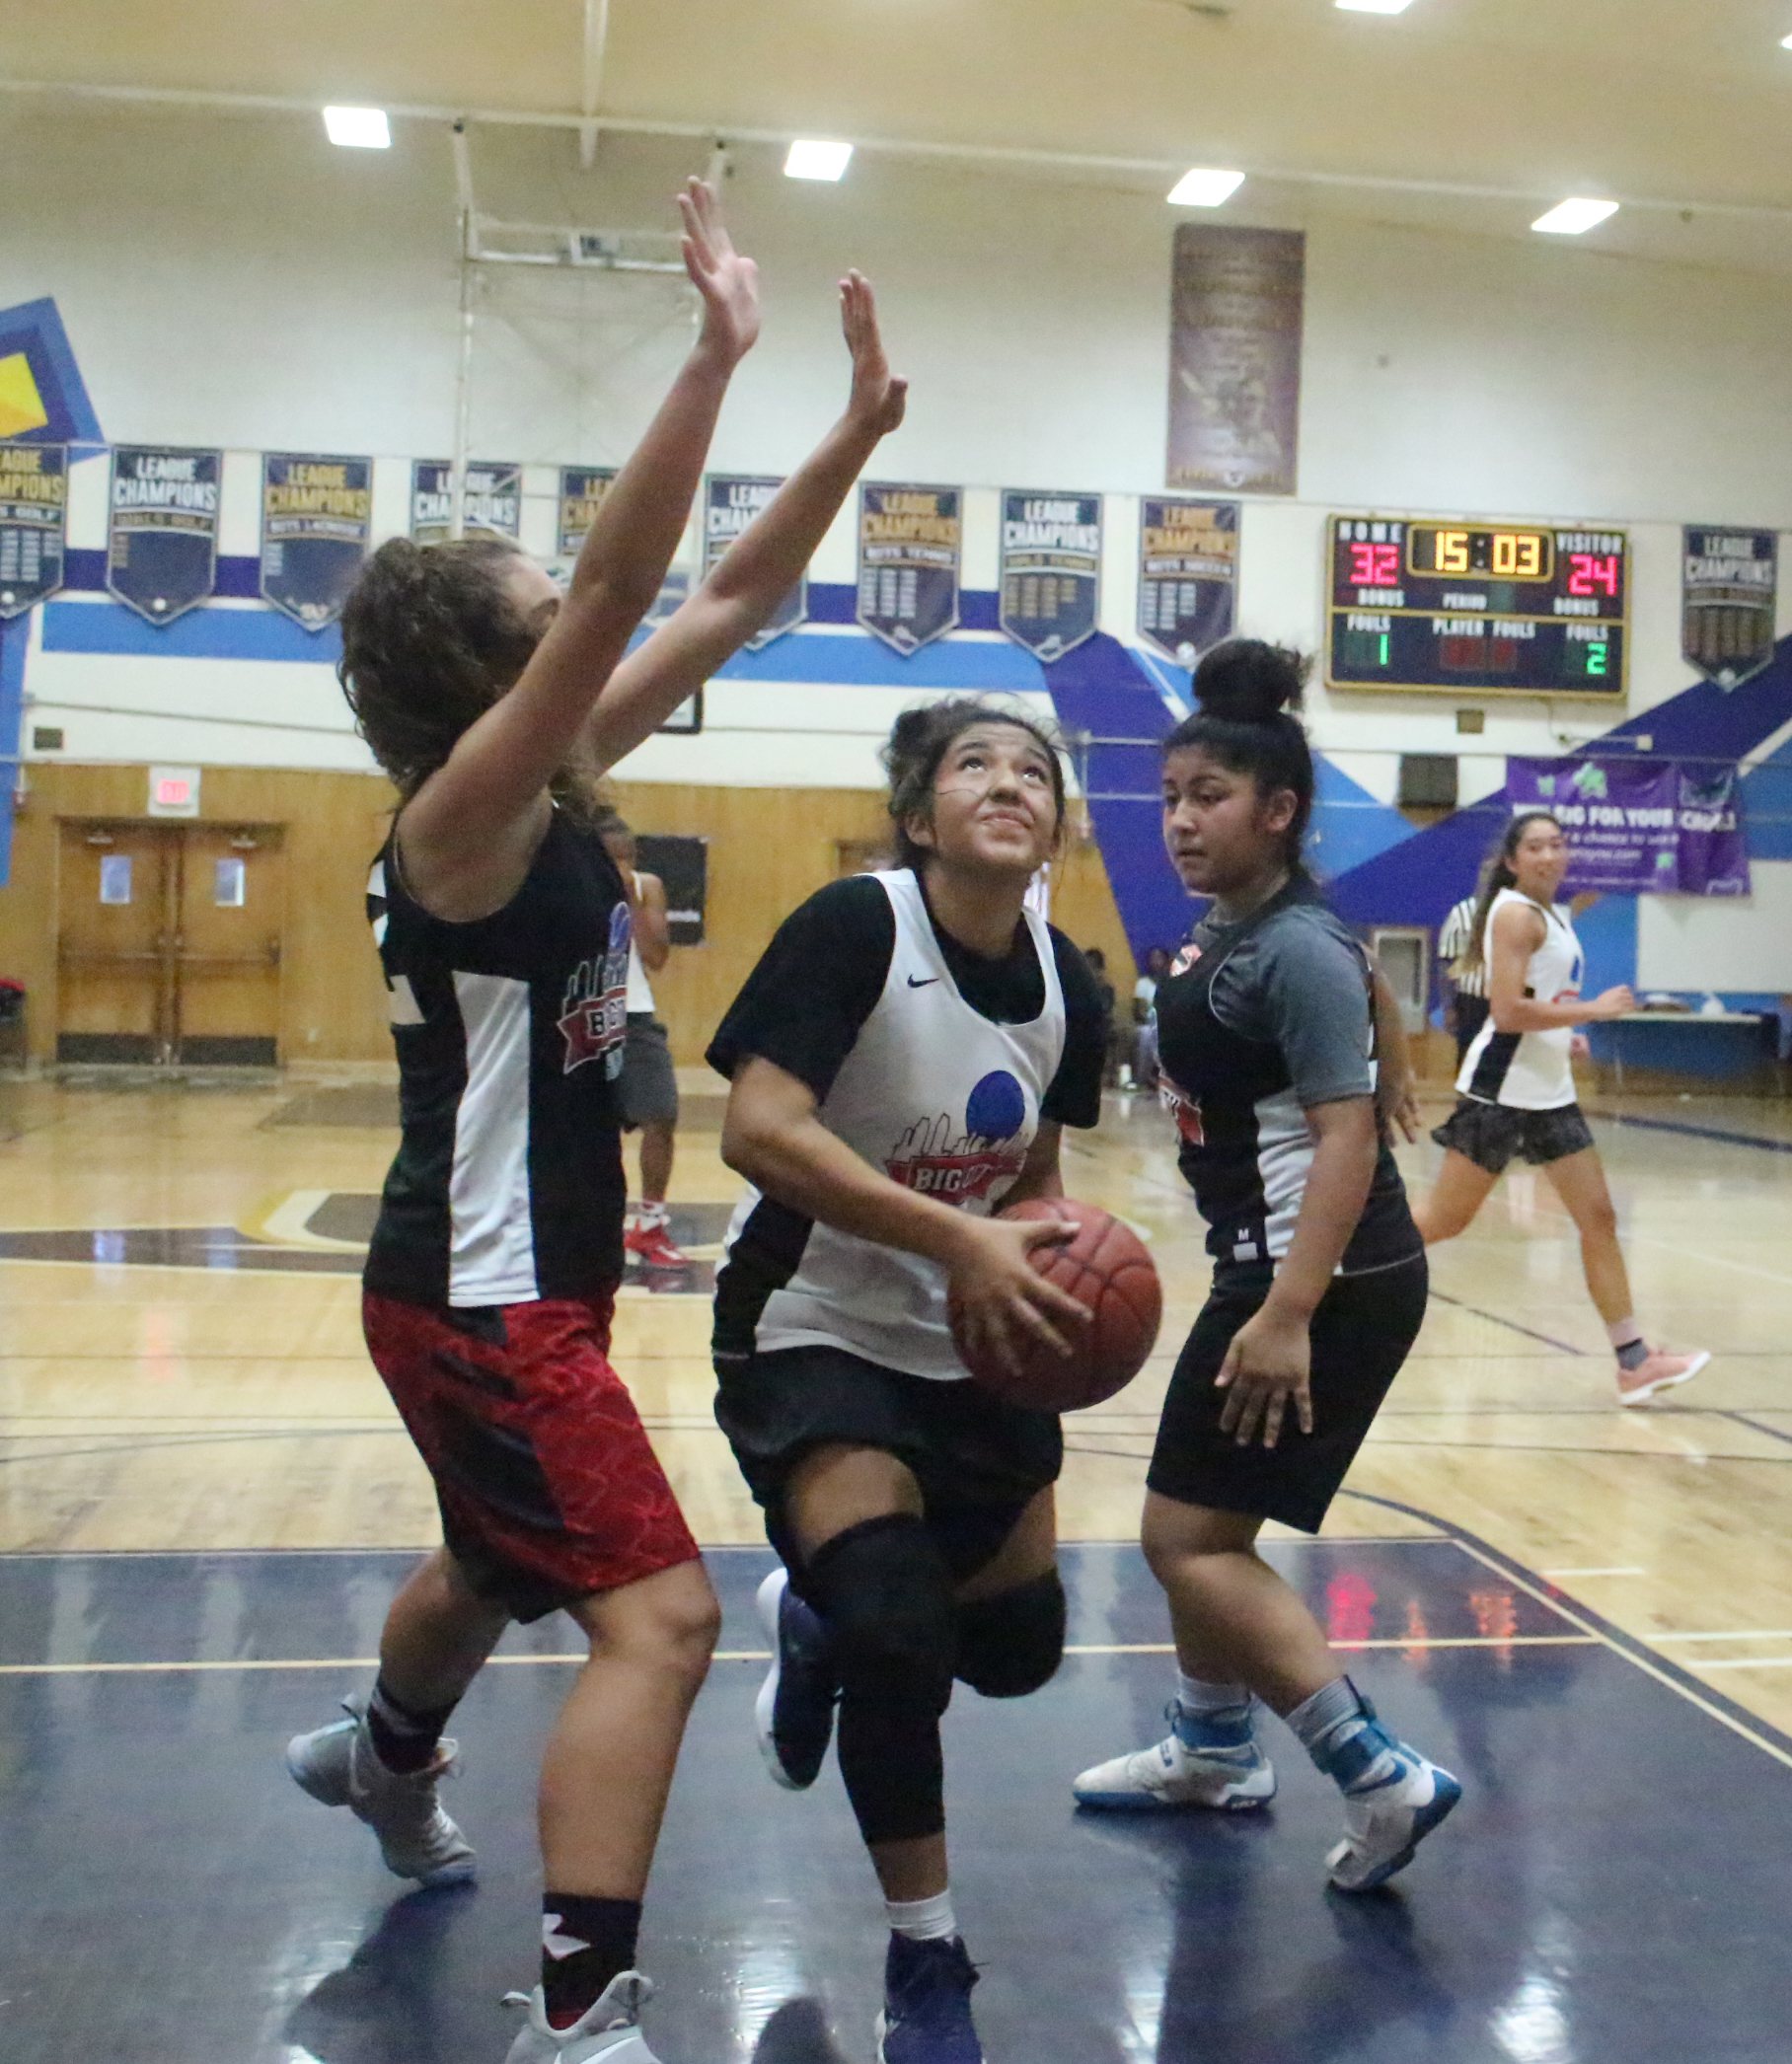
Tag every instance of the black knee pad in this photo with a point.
(885, 1594)
(1011, 1644)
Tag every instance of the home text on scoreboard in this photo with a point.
(1488, 608)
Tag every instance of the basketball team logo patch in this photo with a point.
(963, 1164)
(594, 1011)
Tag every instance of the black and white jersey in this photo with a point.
(508, 1183)
(1453, 944)
(934, 1066)
(1528, 1070)
(1259, 1021)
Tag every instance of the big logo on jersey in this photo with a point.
(594, 1011)
(963, 1165)
(1184, 1108)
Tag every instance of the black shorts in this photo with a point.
(648, 1090)
(1362, 1332)
(979, 1461)
(1489, 1135)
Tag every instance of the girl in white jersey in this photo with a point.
(903, 1059)
(1516, 1090)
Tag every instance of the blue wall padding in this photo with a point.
(1349, 824)
(1417, 881)
(1708, 722)
(1101, 688)
(13, 638)
(1606, 930)
(203, 633)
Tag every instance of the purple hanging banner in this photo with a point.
(1640, 827)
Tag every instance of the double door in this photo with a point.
(169, 942)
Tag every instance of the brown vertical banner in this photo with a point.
(1237, 301)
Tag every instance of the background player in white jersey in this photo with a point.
(903, 1059)
(504, 932)
(1515, 1091)
(648, 1090)
(1268, 1048)
(1516, 1088)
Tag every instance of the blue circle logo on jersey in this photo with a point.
(997, 1109)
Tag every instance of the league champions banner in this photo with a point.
(1051, 570)
(581, 495)
(1188, 574)
(161, 537)
(1729, 601)
(34, 523)
(910, 539)
(493, 500)
(1238, 298)
(731, 501)
(1648, 827)
(317, 518)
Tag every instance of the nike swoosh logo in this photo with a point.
(927, 983)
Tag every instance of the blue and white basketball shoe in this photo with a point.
(795, 1710)
(1208, 1759)
(1393, 1798)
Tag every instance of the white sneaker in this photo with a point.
(1395, 1805)
(609, 2029)
(337, 1766)
(1231, 1774)
(1658, 1373)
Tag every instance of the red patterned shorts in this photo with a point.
(549, 1486)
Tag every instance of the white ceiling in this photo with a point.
(1675, 101)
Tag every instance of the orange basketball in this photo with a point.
(1105, 1267)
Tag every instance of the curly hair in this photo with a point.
(919, 742)
(431, 639)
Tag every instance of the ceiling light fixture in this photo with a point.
(1204, 187)
(810, 160)
(358, 128)
(1570, 218)
(1373, 7)
(1785, 43)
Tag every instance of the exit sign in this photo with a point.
(174, 791)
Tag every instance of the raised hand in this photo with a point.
(728, 283)
(878, 400)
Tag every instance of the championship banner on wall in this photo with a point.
(162, 540)
(493, 499)
(1649, 827)
(909, 545)
(1237, 300)
(1188, 574)
(581, 495)
(1051, 570)
(731, 500)
(316, 517)
(34, 520)
(1728, 602)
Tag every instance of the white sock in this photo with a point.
(1195, 1696)
(653, 1212)
(922, 1920)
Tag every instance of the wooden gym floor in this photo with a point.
(205, 1502)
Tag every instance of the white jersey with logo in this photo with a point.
(1528, 1070)
(640, 990)
(944, 1101)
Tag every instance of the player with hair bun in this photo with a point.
(1268, 1028)
(903, 1059)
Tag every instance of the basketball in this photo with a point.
(1105, 1267)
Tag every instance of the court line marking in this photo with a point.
(1741, 1634)
(1512, 1325)
(250, 1664)
(1762, 1734)
(1696, 1131)
(1629, 1570)
(1749, 1662)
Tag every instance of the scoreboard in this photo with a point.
(1481, 608)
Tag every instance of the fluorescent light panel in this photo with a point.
(358, 128)
(1374, 7)
(1204, 187)
(1570, 218)
(1785, 43)
(813, 160)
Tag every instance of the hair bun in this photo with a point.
(1248, 682)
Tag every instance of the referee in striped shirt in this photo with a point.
(1469, 1008)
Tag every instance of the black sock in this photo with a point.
(404, 1740)
(585, 1943)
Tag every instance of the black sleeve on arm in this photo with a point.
(1074, 1095)
(803, 1005)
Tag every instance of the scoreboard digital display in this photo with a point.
(1488, 608)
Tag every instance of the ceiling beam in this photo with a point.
(597, 43)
